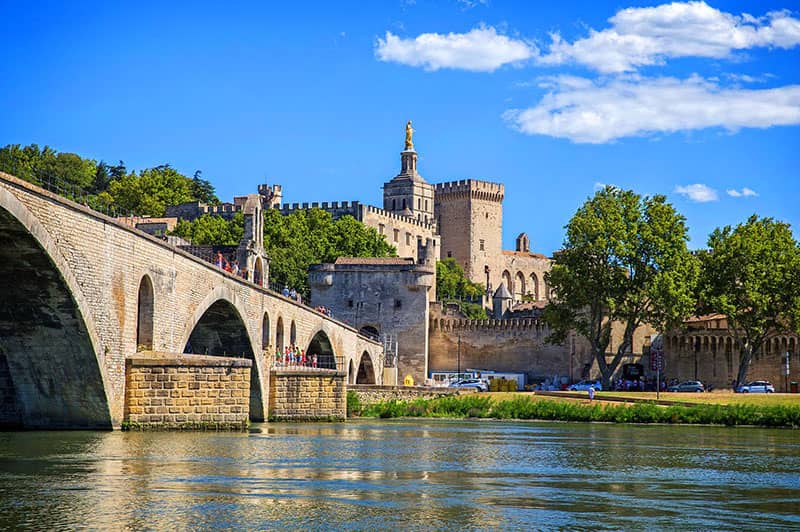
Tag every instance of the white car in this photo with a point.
(583, 386)
(478, 384)
(756, 387)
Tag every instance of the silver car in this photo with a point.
(756, 387)
(478, 384)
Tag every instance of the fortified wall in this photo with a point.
(708, 351)
(514, 345)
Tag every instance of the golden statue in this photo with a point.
(409, 133)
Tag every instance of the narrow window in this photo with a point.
(449, 254)
(396, 235)
(481, 244)
(398, 303)
(350, 303)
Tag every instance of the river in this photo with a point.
(405, 475)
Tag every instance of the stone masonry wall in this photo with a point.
(187, 392)
(368, 394)
(303, 394)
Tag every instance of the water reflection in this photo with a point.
(404, 475)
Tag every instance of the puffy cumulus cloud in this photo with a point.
(649, 35)
(744, 193)
(479, 50)
(697, 192)
(589, 111)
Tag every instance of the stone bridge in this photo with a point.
(80, 292)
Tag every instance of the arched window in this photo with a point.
(519, 286)
(507, 281)
(534, 287)
(144, 317)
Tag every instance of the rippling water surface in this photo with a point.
(405, 475)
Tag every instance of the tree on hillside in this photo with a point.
(203, 190)
(624, 261)
(307, 237)
(751, 274)
(151, 191)
(452, 285)
(212, 230)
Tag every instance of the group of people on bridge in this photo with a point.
(293, 356)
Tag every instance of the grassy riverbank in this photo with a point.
(531, 407)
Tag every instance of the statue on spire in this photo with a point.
(409, 134)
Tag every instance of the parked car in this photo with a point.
(756, 387)
(688, 386)
(583, 386)
(478, 384)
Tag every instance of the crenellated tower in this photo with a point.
(469, 215)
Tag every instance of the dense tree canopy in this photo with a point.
(307, 237)
(145, 193)
(751, 274)
(212, 230)
(624, 260)
(452, 285)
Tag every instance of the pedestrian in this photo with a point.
(314, 360)
(220, 260)
(591, 393)
(285, 291)
(235, 269)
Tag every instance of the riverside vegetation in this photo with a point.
(529, 408)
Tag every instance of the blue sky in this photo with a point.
(698, 101)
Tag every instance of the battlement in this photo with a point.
(470, 188)
(519, 324)
(336, 208)
(428, 226)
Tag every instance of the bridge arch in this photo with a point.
(218, 328)
(321, 346)
(366, 370)
(48, 341)
(145, 309)
(351, 372)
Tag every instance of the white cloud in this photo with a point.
(647, 36)
(697, 192)
(587, 111)
(479, 50)
(744, 193)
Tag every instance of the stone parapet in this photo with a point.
(179, 392)
(300, 394)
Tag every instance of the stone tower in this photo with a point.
(408, 193)
(469, 215)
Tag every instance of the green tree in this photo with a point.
(203, 190)
(307, 237)
(151, 191)
(212, 230)
(452, 285)
(624, 261)
(751, 274)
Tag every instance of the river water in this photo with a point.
(405, 475)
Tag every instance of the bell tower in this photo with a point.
(408, 194)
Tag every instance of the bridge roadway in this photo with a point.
(80, 292)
